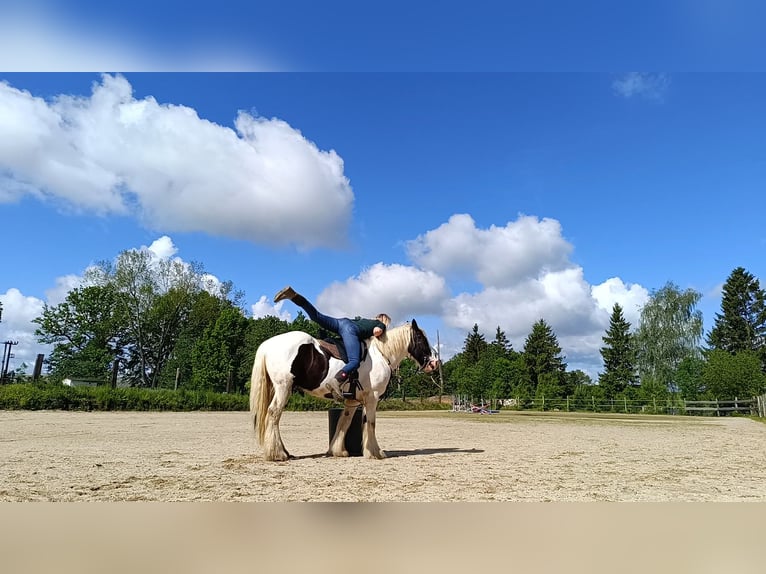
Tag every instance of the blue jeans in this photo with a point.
(346, 328)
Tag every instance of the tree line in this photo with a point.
(664, 355)
(166, 324)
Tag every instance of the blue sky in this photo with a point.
(495, 199)
(541, 183)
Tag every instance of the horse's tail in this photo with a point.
(261, 393)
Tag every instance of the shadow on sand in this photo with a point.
(427, 451)
(396, 453)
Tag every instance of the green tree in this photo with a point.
(669, 330)
(156, 297)
(727, 376)
(520, 380)
(474, 345)
(86, 330)
(689, 378)
(501, 345)
(411, 382)
(741, 325)
(619, 355)
(303, 323)
(204, 311)
(574, 380)
(258, 330)
(588, 397)
(219, 352)
(542, 355)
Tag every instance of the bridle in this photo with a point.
(427, 359)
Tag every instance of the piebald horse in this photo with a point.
(296, 358)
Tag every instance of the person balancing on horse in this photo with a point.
(352, 331)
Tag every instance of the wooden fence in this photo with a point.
(743, 406)
(674, 406)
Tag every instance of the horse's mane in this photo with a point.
(394, 342)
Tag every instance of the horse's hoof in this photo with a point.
(339, 454)
(380, 455)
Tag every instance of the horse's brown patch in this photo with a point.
(309, 367)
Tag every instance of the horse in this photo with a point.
(296, 359)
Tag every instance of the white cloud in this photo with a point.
(63, 285)
(42, 39)
(562, 298)
(163, 248)
(265, 308)
(113, 154)
(18, 312)
(524, 274)
(649, 86)
(401, 291)
(497, 256)
(630, 297)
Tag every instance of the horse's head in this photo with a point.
(420, 349)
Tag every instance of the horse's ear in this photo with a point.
(414, 323)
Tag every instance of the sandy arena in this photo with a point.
(443, 456)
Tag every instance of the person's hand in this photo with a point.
(377, 331)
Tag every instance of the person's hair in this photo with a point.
(385, 319)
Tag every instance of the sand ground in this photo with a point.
(443, 456)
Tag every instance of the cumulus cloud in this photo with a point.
(638, 84)
(400, 291)
(630, 297)
(524, 274)
(265, 308)
(63, 285)
(163, 248)
(111, 153)
(562, 298)
(18, 312)
(496, 256)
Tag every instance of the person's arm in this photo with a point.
(377, 331)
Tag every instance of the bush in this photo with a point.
(55, 396)
(61, 397)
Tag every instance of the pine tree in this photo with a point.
(474, 345)
(619, 356)
(542, 355)
(501, 345)
(741, 325)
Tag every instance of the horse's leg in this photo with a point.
(338, 442)
(370, 447)
(273, 447)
